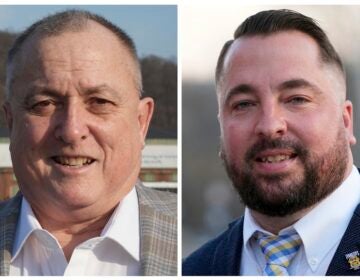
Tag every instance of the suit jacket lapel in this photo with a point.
(349, 243)
(158, 235)
(227, 257)
(9, 213)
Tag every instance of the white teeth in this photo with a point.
(73, 161)
(272, 159)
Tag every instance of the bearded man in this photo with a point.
(286, 132)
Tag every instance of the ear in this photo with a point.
(8, 115)
(348, 121)
(145, 112)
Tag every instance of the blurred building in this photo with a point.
(159, 164)
(8, 185)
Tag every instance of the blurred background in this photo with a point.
(153, 29)
(209, 201)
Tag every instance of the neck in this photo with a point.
(72, 233)
(276, 224)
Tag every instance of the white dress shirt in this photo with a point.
(115, 252)
(320, 230)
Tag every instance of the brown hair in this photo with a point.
(273, 21)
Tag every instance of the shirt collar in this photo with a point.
(122, 227)
(320, 236)
(26, 225)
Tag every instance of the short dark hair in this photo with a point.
(69, 20)
(273, 21)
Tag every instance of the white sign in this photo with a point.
(159, 156)
(5, 159)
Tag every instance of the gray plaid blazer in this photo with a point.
(158, 231)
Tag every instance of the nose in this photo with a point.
(71, 125)
(271, 122)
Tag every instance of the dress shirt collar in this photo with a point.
(122, 227)
(316, 228)
(323, 227)
(26, 225)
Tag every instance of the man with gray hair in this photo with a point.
(77, 125)
(286, 132)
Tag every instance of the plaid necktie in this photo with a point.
(279, 250)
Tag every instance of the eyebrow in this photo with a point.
(239, 89)
(100, 88)
(299, 83)
(46, 91)
(287, 85)
(39, 90)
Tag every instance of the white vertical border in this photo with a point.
(179, 141)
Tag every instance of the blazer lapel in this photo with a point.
(349, 243)
(227, 257)
(158, 232)
(158, 235)
(9, 214)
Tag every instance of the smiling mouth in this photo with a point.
(275, 158)
(73, 161)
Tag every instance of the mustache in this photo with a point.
(266, 144)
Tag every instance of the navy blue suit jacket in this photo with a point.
(222, 255)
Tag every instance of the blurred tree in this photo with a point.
(160, 83)
(6, 40)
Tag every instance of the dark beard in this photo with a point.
(321, 176)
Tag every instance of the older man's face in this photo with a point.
(285, 126)
(77, 125)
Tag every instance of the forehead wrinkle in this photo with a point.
(83, 90)
(69, 62)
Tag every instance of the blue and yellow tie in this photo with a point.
(279, 250)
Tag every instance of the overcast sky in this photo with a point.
(153, 28)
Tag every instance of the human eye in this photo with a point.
(243, 105)
(100, 101)
(42, 107)
(100, 104)
(298, 100)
